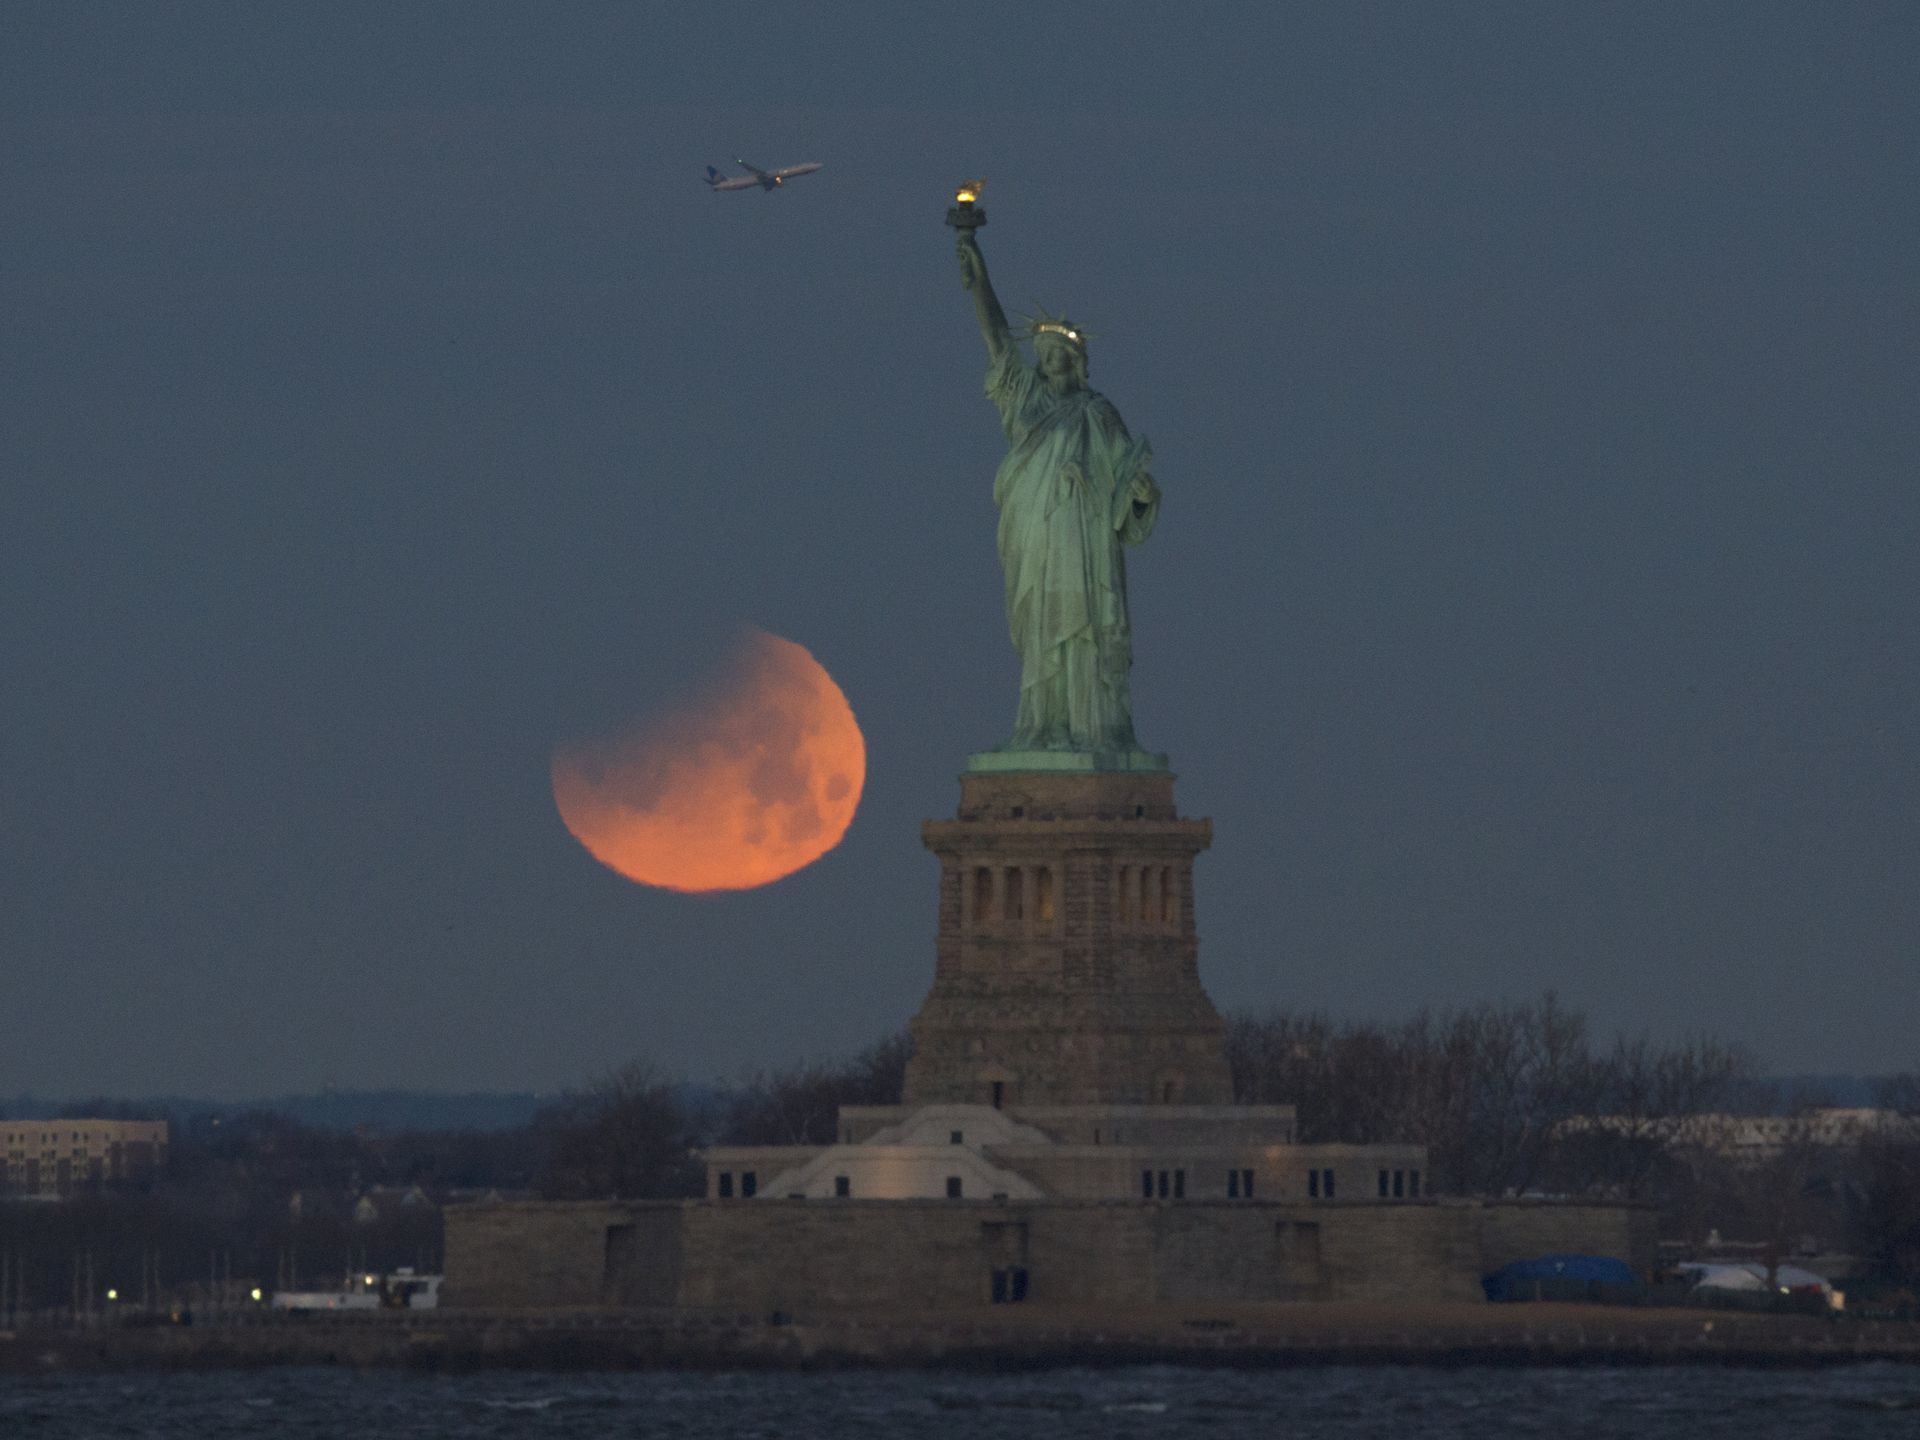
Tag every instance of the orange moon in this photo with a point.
(751, 781)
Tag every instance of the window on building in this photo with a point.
(1043, 895)
(1233, 1184)
(842, 1186)
(1016, 894)
(1246, 1184)
(982, 895)
(749, 1184)
(1162, 1184)
(1146, 1184)
(1384, 1182)
(1313, 1184)
(999, 1093)
(1123, 910)
(725, 1188)
(1399, 1184)
(1326, 1184)
(1413, 1184)
(956, 1137)
(953, 1187)
(1179, 1184)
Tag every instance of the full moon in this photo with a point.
(756, 778)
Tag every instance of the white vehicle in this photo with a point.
(408, 1291)
(1750, 1277)
(402, 1290)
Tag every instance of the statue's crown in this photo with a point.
(1051, 327)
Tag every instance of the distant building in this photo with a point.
(51, 1159)
(1752, 1139)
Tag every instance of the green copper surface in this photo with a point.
(1066, 761)
(1073, 490)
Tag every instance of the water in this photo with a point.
(1865, 1402)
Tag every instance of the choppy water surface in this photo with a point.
(1867, 1401)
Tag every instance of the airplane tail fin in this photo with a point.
(713, 176)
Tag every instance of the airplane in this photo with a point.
(765, 179)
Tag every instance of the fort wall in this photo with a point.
(855, 1255)
(529, 1256)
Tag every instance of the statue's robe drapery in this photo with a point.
(1065, 492)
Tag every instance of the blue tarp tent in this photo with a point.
(1563, 1277)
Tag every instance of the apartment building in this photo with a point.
(47, 1159)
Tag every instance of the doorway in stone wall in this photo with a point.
(1004, 1247)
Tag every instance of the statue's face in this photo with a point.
(1061, 365)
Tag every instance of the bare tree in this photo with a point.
(625, 1135)
(800, 1104)
(1498, 1093)
(1887, 1223)
(1651, 1104)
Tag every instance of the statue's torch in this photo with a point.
(964, 215)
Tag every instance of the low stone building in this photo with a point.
(1108, 1152)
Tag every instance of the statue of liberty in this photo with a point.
(1073, 489)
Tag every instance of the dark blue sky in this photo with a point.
(386, 401)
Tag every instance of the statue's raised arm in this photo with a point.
(1074, 490)
(986, 305)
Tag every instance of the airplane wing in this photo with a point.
(753, 170)
(735, 182)
(790, 171)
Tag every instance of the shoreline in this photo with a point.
(1246, 1337)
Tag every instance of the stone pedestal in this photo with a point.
(1067, 955)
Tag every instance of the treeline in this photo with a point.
(1490, 1090)
(629, 1133)
(1524, 1099)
